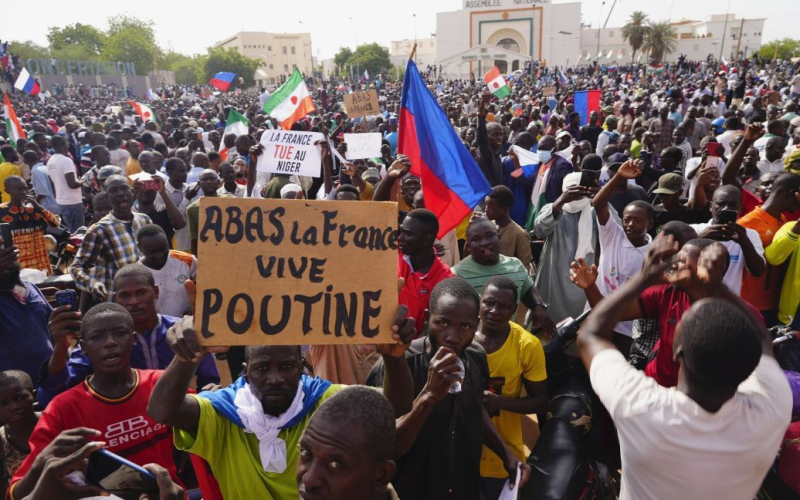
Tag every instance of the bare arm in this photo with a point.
(72, 182)
(177, 219)
(169, 402)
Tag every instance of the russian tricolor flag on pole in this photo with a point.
(452, 182)
(26, 82)
(223, 80)
(585, 102)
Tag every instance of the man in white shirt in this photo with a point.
(200, 162)
(176, 190)
(772, 159)
(743, 244)
(170, 269)
(67, 186)
(716, 434)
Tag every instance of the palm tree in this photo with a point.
(635, 31)
(661, 40)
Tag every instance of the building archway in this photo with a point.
(511, 40)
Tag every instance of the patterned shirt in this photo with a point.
(27, 229)
(109, 244)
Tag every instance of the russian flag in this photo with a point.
(26, 82)
(451, 180)
(585, 102)
(223, 80)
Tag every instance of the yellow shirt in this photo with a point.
(132, 167)
(522, 356)
(7, 169)
(786, 245)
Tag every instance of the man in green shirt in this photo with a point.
(485, 261)
(249, 431)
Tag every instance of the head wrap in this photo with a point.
(791, 158)
(584, 207)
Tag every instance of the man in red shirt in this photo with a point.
(418, 263)
(668, 302)
(113, 401)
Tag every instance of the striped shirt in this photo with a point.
(108, 245)
(477, 275)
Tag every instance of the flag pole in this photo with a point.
(413, 51)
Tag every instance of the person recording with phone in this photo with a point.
(743, 245)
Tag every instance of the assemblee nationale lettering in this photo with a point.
(258, 225)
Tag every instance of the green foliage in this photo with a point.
(27, 50)
(371, 57)
(787, 49)
(77, 39)
(220, 59)
(661, 36)
(131, 39)
(635, 31)
(342, 56)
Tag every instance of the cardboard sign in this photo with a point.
(363, 145)
(548, 91)
(290, 153)
(359, 104)
(288, 272)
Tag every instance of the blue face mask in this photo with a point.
(545, 156)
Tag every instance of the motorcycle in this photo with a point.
(570, 459)
(61, 248)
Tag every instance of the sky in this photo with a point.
(192, 27)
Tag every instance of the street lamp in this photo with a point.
(355, 28)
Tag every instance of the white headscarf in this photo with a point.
(584, 207)
(271, 448)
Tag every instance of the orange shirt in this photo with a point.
(762, 292)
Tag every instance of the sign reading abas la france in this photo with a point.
(291, 153)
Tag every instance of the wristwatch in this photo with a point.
(540, 304)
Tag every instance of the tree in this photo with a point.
(29, 50)
(371, 57)
(342, 56)
(185, 67)
(661, 40)
(89, 39)
(230, 60)
(131, 39)
(635, 31)
(787, 48)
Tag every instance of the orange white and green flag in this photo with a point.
(13, 127)
(496, 83)
(291, 102)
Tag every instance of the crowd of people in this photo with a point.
(672, 212)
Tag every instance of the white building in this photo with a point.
(279, 53)
(424, 56)
(506, 34)
(695, 39)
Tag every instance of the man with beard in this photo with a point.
(249, 431)
(24, 337)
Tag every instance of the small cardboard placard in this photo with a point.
(548, 91)
(363, 145)
(289, 272)
(291, 153)
(360, 104)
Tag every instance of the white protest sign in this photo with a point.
(363, 146)
(290, 153)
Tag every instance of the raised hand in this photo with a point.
(583, 275)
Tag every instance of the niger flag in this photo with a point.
(291, 102)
